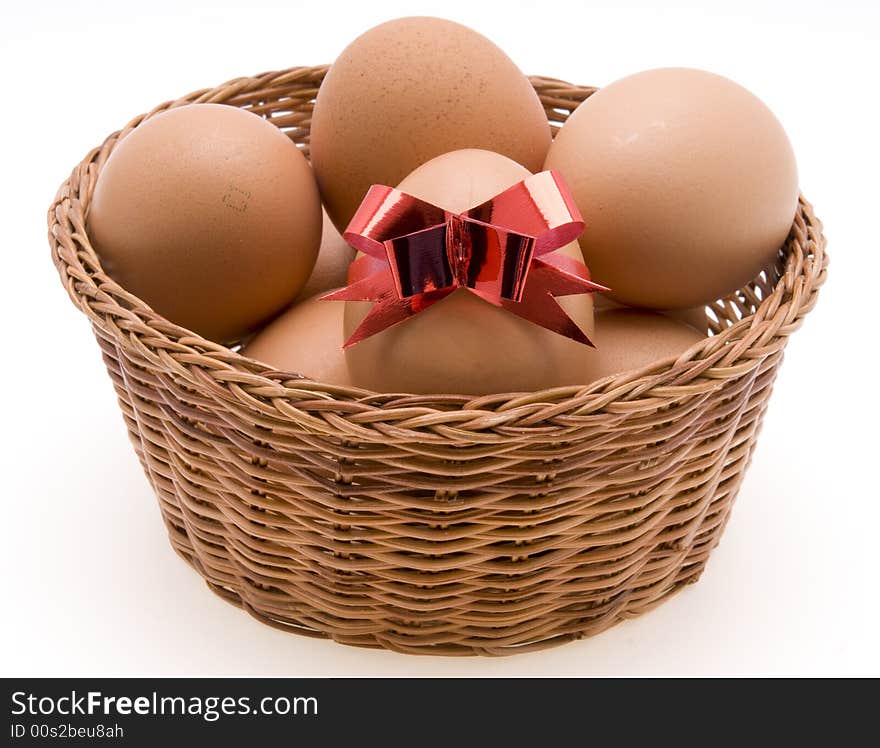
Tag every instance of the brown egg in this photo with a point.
(687, 182)
(412, 89)
(694, 316)
(306, 339)
(630, 339)
(331, 267)
(463, 344)
(211, 215)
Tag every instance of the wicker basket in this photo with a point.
(436, 524)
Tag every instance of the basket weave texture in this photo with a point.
(436, 524)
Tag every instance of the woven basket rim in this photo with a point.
(802, 270)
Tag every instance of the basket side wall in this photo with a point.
(436, 524)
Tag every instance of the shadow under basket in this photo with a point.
(436, 524)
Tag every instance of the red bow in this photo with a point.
(417, 254)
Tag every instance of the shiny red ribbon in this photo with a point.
(416, 254)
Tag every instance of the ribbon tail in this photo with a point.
(369, 279)
(561, 273)
(540, 308)
(559, 276)
(371, 288)
(390, 311)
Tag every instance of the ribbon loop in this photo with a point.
(420, 253)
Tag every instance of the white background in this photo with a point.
(90, 584)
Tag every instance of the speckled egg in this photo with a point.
(412, 89)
